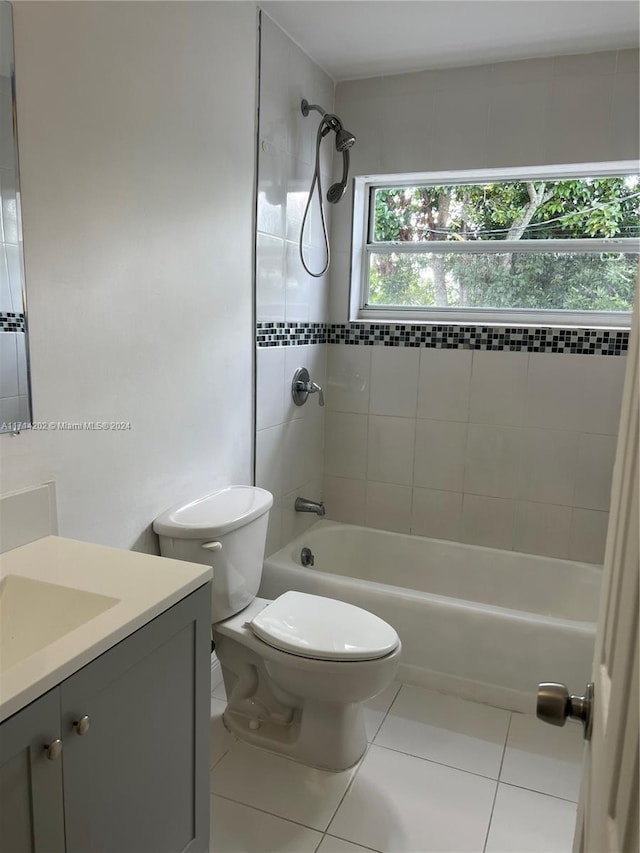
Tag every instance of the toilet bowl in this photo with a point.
(297, 669)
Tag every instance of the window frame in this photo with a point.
(362, 247)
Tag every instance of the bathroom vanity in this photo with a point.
(104, 739)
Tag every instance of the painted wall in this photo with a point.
(289, 439)
(506, 449)
(138, 224)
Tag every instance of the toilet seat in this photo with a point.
(321, 628)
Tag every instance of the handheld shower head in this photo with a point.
(344, 139)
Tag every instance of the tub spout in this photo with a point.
(304, 505)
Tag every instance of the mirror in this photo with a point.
(15, 399)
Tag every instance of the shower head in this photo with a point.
(344, 139)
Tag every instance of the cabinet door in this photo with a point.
(31, 812)
(137, 779)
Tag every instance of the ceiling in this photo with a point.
(368, 38)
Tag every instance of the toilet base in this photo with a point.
(323, 735)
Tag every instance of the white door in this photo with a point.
(608, 809)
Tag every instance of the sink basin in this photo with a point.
(35, 613)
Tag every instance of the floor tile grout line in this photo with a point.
(536, 791)
(264, 811)
(348, 788)
(495, 793)
(386, 713)
(355, 843)
(439, 763)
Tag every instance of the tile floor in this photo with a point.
(440, 774)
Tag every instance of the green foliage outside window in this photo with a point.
(516, 210)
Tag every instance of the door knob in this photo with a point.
(555, 705)
(53, 750)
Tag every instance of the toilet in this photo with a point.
(296, 670)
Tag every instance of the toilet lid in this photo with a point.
(315, 627)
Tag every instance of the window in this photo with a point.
(542, 245)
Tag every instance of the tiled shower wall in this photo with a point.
(507, 449)
(13, 368)
(289, 439)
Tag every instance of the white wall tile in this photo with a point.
(270, 383)
(348, 378)
(6, 302)
(297, 191)
(437, 514)
(346, 445)
(575, 100)
(596, 455)
(520, 105)
(272, 190)
(302, 457)
(440, 453)
(276, 119)
(15, 277)
(588, 535)
(548, 466)
(487, 521)
(296, 286)
(394, 381)
(269, 449)
(498, 388)
(390, 449)
(583, 65)
(575, 392)
(8, 364)
(388, 507)
(628, 61)
(603, 394)
(624, 118)
(270, 278)
(344, 499)
(542, 529)
(10, 225)
(444, 384)
(318, 294)
(492, 460)
(460, 124)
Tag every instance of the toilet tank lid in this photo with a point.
(214, 514)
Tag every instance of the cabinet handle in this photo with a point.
(53, 750)
(82, 725)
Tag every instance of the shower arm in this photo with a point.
(332, 122)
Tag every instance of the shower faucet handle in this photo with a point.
(302, 386)
(314, 388)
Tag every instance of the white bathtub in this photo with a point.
(476, 622)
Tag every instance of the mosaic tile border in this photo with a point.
(290, 334)
(11, 322)
(488, 338)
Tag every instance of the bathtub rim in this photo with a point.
(283, 559)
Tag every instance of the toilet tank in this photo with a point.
(226, 530)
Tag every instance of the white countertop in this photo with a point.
(138, 588)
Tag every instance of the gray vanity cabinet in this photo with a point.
(31, 807)
(134, 768)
